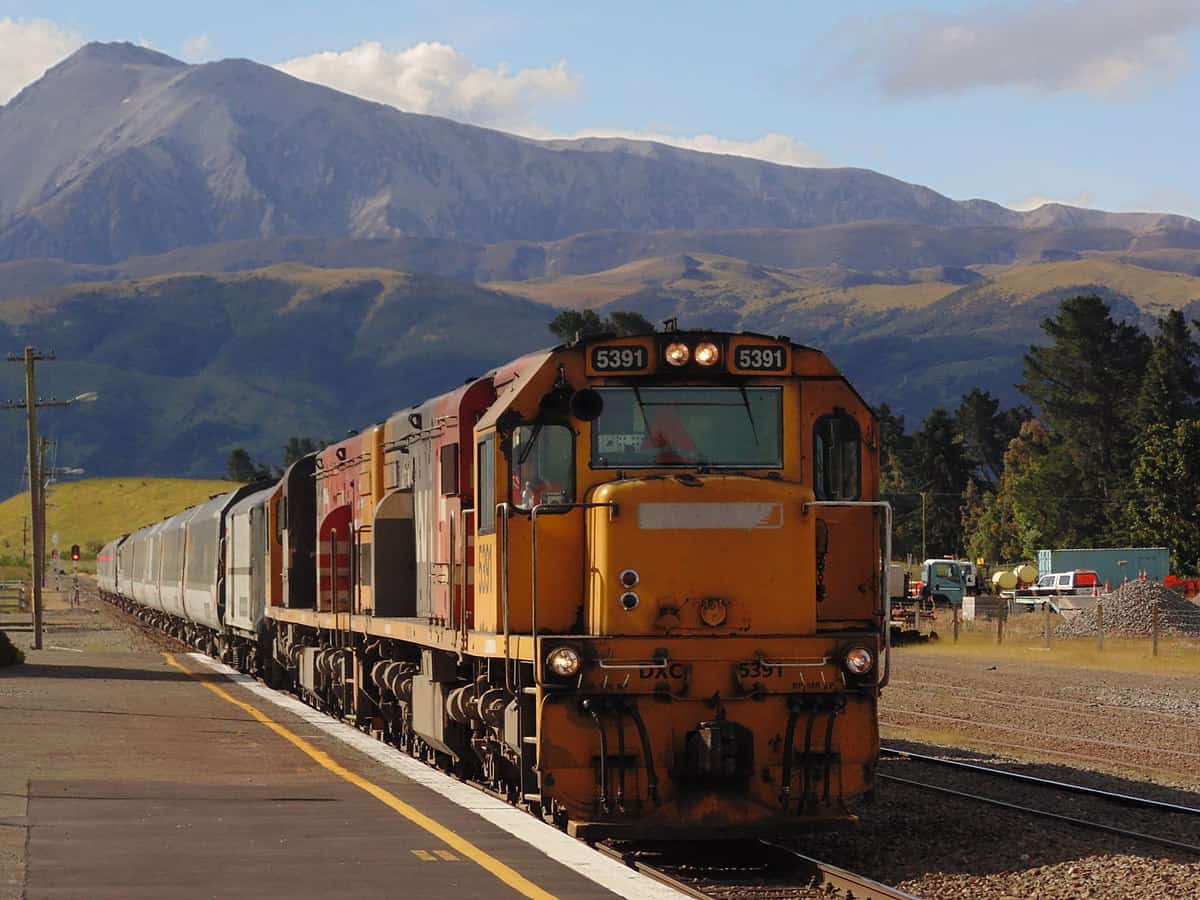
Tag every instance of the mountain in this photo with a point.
(120, 151)
(232, 256)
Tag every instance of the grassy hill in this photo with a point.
(914, 338)
(91, 512)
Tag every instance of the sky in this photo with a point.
(1087, 102)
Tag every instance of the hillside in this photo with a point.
(92, 512)
(190, 366)
(120, 151)
(913, 338)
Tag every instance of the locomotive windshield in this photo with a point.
(656, 427)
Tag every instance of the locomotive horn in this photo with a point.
(587, 404)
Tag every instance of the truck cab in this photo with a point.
(943, 581)
(1081, 581)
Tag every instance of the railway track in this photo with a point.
(1059, 787)
(1064, 786)
(760, 869)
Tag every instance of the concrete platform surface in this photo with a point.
(124, 776)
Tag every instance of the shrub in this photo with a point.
(9, 655)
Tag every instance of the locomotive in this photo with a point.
(636, 584)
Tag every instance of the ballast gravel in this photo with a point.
(1129, 611)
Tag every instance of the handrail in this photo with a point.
(450, 598)
(502, 563)
(885, 598)
(533, 574)
(466, 570)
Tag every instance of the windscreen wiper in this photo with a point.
(637, 395)
(749, 412)
(528, 448)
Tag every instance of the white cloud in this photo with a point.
(197, 49)
(1098, 47)
(1083, 199)
(437, 79)
(771, 147)
(28, 47)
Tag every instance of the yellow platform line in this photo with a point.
(509, 876)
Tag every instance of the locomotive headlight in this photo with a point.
(564, 662)
(677, 354)
(629, 578)
(858, 660)
(707, 353)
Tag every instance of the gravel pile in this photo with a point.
(1129, 611)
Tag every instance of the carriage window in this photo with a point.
(486, 466)
(543, 465)
(836, 462)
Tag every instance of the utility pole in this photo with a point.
(31, 357)
(37, 490)
(924, 555)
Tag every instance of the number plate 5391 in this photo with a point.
(619, 358)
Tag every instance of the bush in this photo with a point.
(9, 655)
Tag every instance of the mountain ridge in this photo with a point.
(120, 151)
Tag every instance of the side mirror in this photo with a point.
(587, 404)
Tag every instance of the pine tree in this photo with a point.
(940, 468)
(572, 323)
(1170, 389)
(1167, 481)
(1085, 383)
(240, 467)
(986, 431)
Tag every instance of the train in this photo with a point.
(636, 585)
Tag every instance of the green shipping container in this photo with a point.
(1112, 564)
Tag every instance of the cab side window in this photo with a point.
(543, 466)
(837, 466)
(486, 467)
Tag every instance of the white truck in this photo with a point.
(1058, 584)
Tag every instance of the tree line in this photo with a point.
(241, 466)
(1107, 454)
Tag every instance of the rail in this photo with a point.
(1046, 814)
(885, 599)
(836, 882)
(1065, 786)
(847, 883)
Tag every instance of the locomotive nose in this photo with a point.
(700, 533)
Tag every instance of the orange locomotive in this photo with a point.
(635, 584)
(632, 583)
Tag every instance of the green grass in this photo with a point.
(92, 512)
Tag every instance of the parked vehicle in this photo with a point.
(942, 581)
(1081, 581)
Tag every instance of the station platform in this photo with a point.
(155, 774)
